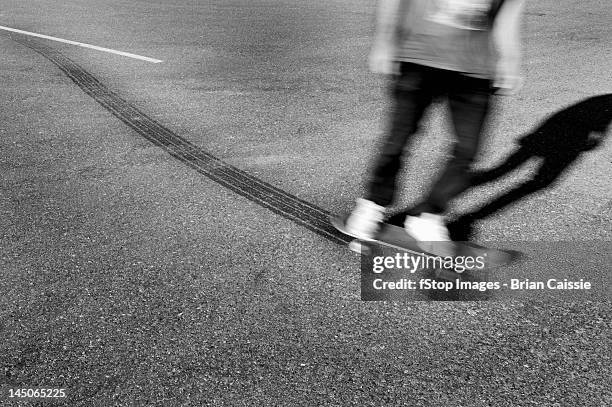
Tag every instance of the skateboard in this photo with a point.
(396, 238)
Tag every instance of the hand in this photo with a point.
(506, 34)
(508, 79)
(508, 85)
(382, 59)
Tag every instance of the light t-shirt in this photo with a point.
(454, 35)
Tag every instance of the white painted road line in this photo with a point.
(80, 44)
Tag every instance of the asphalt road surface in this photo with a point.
(163, 226)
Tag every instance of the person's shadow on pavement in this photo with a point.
(558, 142)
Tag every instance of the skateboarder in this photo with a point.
(460, 49)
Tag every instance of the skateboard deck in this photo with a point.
(397, 238)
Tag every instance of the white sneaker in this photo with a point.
(364, 222)
(427, 228)
(431, 233)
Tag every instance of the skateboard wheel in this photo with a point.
(358, 247)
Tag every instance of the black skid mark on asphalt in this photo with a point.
(278, 201)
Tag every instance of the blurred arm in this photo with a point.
(385, 41)
(507, 37)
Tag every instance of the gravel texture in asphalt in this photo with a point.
(128, 276)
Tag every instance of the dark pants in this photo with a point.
(413, 91)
